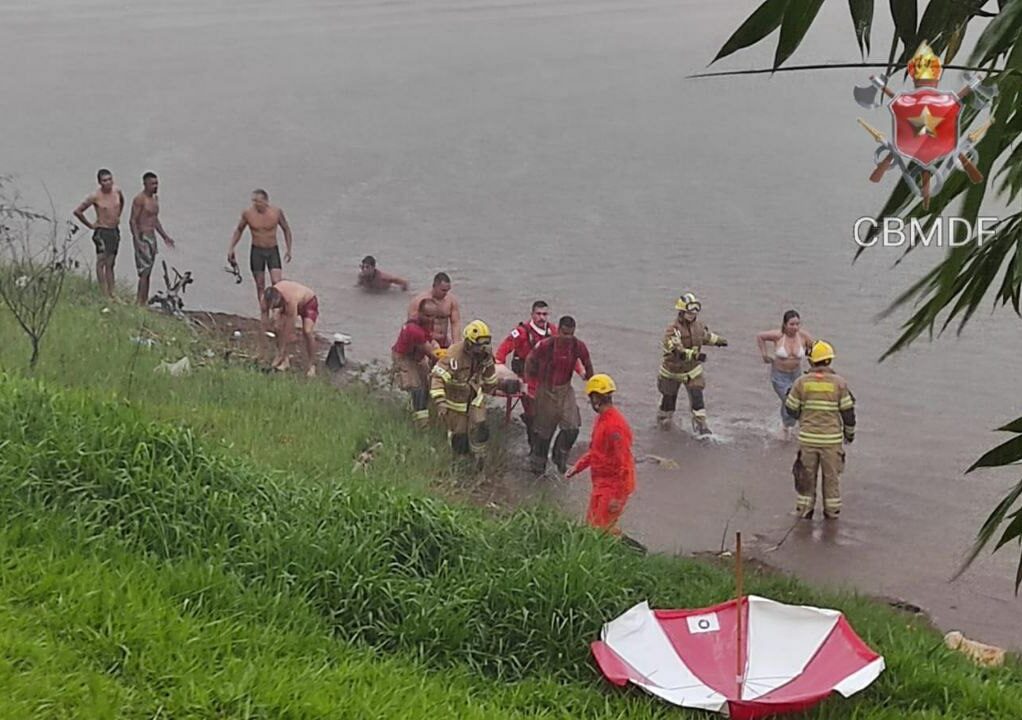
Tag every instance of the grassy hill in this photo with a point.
(202, 547)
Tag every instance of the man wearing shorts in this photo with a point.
(145, 224)
(262, 220)
(293, 301)
(108, 200)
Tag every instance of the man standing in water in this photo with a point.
(145, 224)
(825, 408)
(447, 323)
(108, 200)
(262, 220)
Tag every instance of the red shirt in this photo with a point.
(410, 339)
(555, 359)
(521, 341)
(610, 453)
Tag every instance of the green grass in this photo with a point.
(162, 549)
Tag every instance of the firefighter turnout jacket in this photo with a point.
(681, 348)
(461, 379)
(824, 406)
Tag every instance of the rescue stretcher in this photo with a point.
(505, 377)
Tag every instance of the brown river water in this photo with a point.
(556, 149)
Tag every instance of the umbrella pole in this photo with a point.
(740, 669)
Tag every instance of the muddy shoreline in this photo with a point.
(502, 493)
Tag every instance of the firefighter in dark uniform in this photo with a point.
(681, 363)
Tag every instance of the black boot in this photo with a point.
(537, 458)
(562, 446)
(529, 434)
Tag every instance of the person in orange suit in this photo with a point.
(609, 458)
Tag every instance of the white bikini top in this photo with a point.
(782, 352)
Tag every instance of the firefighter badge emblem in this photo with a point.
(926, 142)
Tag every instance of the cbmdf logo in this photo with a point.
(926, 140)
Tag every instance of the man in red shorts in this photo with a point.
(289, 301)
(609, 458)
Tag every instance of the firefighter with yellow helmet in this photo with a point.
(825, 408)
(458, 386)
(681, 363)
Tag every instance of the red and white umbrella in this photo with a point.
(788, 659)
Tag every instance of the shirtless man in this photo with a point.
(293, 300)
(447, 323)
(262, 220)
(145, 224)
(108, 200)
(370, 278)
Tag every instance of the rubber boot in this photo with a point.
(699, 426)
(538, 456)
(562, 446)
(664, 419)
(460, 444)
(529, 435)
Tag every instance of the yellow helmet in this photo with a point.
(821, 351)
(477, 332)
(688, 302)
(600, 383)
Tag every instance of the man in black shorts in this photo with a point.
(262, 221)
(108, 201)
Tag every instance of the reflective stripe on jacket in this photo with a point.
(460, 378)
(825, 407)
(681, 346)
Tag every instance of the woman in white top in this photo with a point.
(791, 345)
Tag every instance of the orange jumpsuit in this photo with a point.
(612, 468)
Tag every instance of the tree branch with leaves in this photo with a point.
(972, 273)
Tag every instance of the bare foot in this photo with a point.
(311, 372)
(284, 364)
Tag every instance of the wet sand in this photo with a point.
(557, 150)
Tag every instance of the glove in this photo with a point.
(722, 343)
(441, 410)
(849, 439)
(701, 357)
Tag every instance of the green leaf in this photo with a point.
(798, 17)
(862, 20)
(954, 43)
(1015, 426)
(936, 21)
(763, 21)
(904, 14)
(1006, 453)
(1000, 35)
(990, 526)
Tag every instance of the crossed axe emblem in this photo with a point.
(923, 182)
